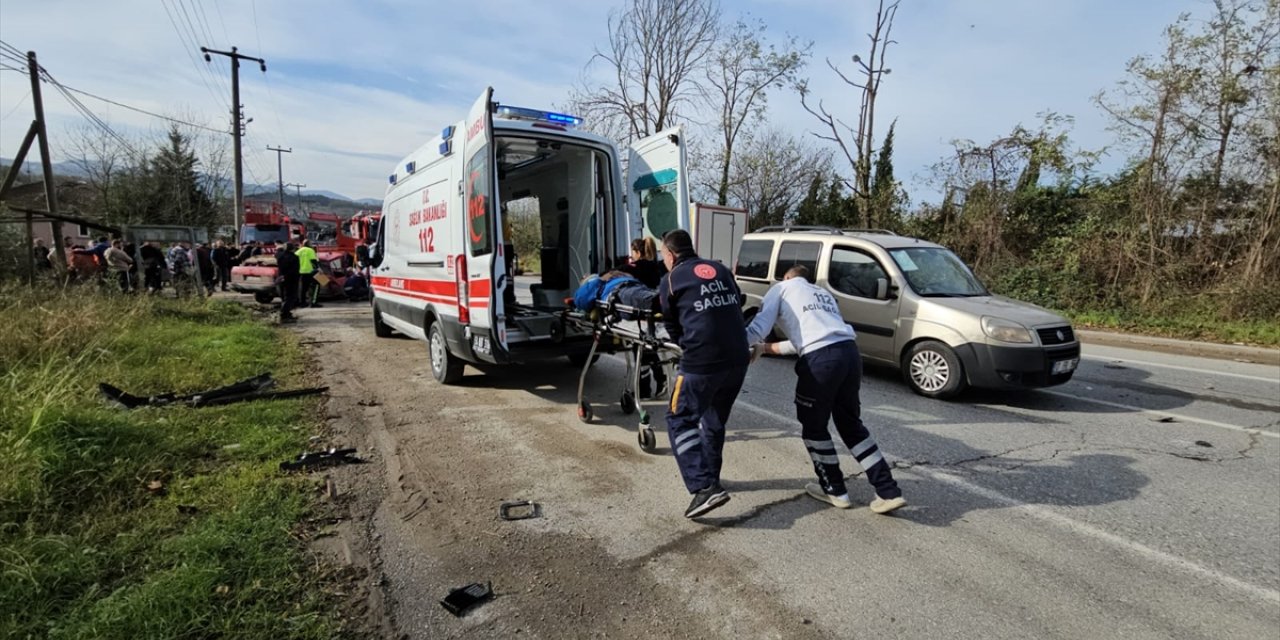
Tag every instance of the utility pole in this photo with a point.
(280, 168)
(237, 113)
(46, 165)
(298, 190)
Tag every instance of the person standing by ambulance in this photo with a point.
(702, 311)
(307, 263)
(829, 375)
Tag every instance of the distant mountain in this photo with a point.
(372, 202)
(64, 169)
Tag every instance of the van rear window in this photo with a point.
(793, 253)
(753, 259)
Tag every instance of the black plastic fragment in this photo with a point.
(518, 510)
(462, 599)
(313, 459)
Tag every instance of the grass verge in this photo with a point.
(152, 523)
(1188, 326)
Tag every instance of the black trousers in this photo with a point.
(224, 275)
(288, 296)
(827, 386)
(308, 286)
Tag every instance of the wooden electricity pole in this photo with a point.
(237, 113)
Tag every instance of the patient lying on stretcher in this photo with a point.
(616, 287)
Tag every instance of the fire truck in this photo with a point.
(267, 223)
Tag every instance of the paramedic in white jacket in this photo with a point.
(829, 374)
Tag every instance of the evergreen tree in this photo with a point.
(884, 189)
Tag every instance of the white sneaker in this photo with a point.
(816, 492)
(880, 505)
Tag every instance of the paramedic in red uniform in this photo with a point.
(702, 311)
(829, 374)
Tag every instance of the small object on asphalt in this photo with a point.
(1114, 365)
(518, 510)
(1204, 443)
(331, 456)
(462, 599)
(1163, 419)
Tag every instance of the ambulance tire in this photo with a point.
(380, 328)
(263, 297)
(445, 367)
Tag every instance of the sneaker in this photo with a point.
(706, 500)
(816, 492)
(880, 505)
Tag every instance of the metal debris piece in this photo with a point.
(462, 599)
(331, 456)
(130, 401)
(1163, 419)
(519, 510)
(1204, 443)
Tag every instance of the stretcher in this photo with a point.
(635, 332)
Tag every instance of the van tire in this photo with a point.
(933, 370)
(445, 367)
(380, 328)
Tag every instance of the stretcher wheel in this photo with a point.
(627, 403)
(646, 439)
(584, 412)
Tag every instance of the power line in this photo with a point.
(15, 108)
(123, 105)
(201, 71)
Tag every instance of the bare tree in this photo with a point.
(772, 174)
(656, 52)
(860, 150)
(743, 69)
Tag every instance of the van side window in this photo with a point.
(854, 273)
(753, 259)
(479, 213)
(793, 253)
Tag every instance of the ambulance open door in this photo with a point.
(481, 273)
(658, 185)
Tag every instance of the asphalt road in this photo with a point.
(1140, 500)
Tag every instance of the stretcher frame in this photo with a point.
(634, 331)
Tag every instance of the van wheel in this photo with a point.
(263, 297)
(446, 367)
(932, 369)
(380, 328)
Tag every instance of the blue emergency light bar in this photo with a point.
(521, 113)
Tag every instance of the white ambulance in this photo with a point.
(441, 271)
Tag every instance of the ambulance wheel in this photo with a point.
(627, 403)
(584, 411)
(646, 439)
(263, 297)
(380, 328)
(933, 370)
(446, 367)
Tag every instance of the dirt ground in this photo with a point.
(422, 516)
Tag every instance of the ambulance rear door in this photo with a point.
(484, 266)
(658, 185)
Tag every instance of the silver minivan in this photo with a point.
(917, 307)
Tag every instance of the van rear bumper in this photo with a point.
(995, 367)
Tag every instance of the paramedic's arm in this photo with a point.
(766, 318)
(670, 319)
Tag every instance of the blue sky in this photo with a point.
(353, 86)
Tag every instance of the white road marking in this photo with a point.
(1175, 416)
(1242, 376)
(1042, 513)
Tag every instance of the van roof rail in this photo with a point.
(783, 228)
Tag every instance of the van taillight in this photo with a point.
(464, 290)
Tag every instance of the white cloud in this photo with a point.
(351, 84)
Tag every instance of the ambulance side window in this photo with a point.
(479, 216)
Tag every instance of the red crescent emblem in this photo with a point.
(704, 271)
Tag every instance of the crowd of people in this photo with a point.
(151, 266)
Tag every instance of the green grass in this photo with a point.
(1191, 326)
(86, 550)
